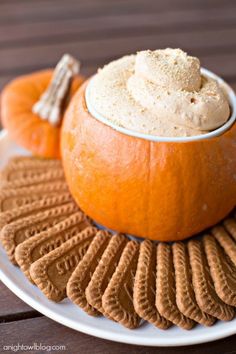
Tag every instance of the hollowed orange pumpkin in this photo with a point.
(158, 190)
(25, 127)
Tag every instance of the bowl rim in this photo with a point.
(214, 133)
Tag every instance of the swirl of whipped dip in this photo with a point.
(159, 92)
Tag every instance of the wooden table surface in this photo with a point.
(34, 35)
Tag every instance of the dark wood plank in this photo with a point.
(43, 330)
(11, 307)
(93, 50)
(233, 85)
(12, 13)
(221, 64)
(193, 3)
(25, 34)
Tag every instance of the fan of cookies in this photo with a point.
(63, 253)
(48, 208)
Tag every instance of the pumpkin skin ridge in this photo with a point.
(91, 153)
(17, 99)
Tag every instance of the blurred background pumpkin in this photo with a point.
(24, 126)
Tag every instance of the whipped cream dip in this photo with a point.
(161, 93)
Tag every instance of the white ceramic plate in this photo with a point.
(71, 316)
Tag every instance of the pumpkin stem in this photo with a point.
(51, 103)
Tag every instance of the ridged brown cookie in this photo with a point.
(46, 202)
(185, 296)
(20, 230)
(117, 300)
(15, 198)
(44, 242)
(226, 242)
(9, 174)
(52, 272)
(145, 286)
(222, 269)
(104, 271)
(29, 162)
(230, 225)
(21, 169)
(30, 179)
(166, 289)
(203, 285)
(81, 276)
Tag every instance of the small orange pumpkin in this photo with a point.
(162, 191)
(25, 127)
